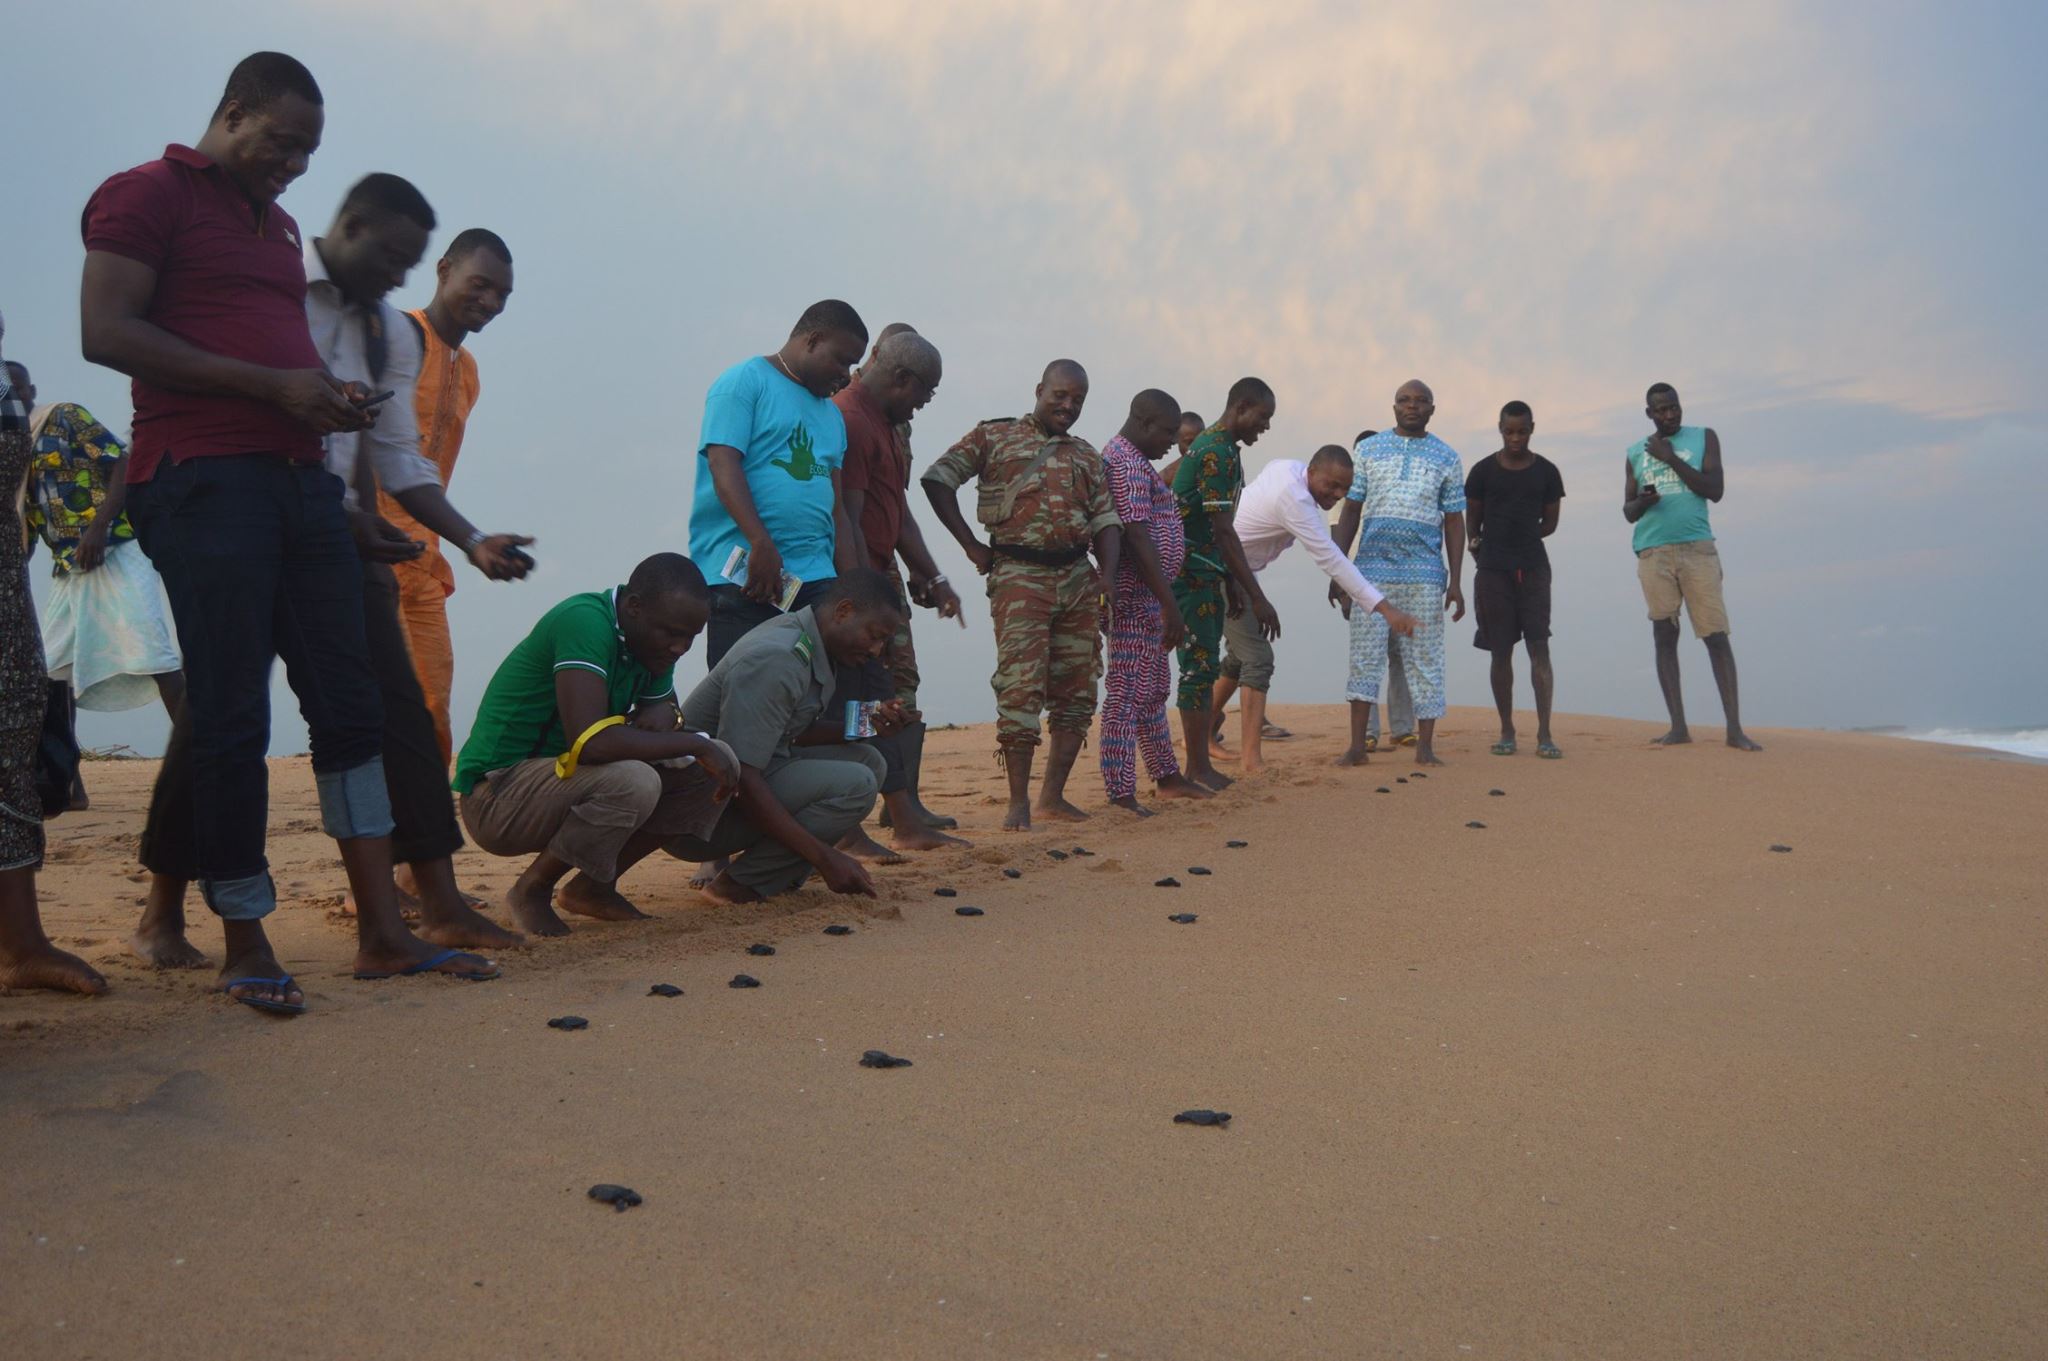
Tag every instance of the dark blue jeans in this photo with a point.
(257, 559)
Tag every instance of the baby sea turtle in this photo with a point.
(1782, 850)
(1477, 826)
(1013, 874)
(1082, 850)
(762, 950)
(876, 1058)
(1400, 779)
(1168, 882)
(967, 912)
(1383, 790)
(741, 980)
(945, 893)
(664, 990)
(1496, 793)
(1198, 869)
(1202, 1117)
(1237, 845)
(620, 1198)
(568, 1023)
(1184, 918)
(1057, 855)
(836, 930)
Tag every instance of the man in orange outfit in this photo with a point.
(473, 281)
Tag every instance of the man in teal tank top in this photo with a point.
(1671, 476)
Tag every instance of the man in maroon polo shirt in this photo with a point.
(898, 379)
(195, 287)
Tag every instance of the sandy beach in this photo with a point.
(1605, 1077)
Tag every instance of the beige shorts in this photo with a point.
(1689, 573)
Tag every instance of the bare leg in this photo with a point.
(170, 688)
(383, 944)
(1361, 732)
(858, 844)
(1195, 726)
(531, 898)
(159, 937)
(910, 829)
(1722, 655)
(1503, 678)
(27, 959)
(1017, 767)
(247, 954)
(1425, 748)
(1059, 763)
(446, 917)
(1545, 684)
(1252, 708)
(1665, 632)
(1219, 700)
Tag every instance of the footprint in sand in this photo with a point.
(1110, 866)
(988, 855)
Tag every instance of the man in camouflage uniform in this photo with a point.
(1042, 496)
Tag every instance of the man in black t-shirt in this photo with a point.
(1512, 501)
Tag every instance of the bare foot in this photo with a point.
(162, 945)
(409, 891)
(261, 963)
(923, 838)
(1425, 757)
(588, 897)
(532, 906)
(1356, 756)
(1740, 741)
(52, 969)
(1018, 818)
(469, 931)
(1253, 766)
(726, 889)
(861, 846)
(1677, 737)
(1058, 810)
(708, 871)
(1211, 778)
(1181, 787)
(1221, 753)
(1129, 803)
(409, 956)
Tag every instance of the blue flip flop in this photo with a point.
(264, 1003)
(432, 963)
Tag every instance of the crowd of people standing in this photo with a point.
(286, 488)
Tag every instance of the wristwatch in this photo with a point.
(473, 542)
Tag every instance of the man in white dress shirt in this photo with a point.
(1286, 503)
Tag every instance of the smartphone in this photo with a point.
(736, 573)
(386, 395)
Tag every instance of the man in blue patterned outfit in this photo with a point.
(1408, 497)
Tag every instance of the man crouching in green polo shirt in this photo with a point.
(803, 786)
(578, 751)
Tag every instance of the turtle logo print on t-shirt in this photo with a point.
(802, 463)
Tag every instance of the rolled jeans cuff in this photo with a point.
(355, 802)
(240, 900)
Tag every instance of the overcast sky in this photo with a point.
(1818, 220)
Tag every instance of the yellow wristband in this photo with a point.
(565, 764)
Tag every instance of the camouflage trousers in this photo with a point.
(1201, 653)
(900, 656)
(1048, 648)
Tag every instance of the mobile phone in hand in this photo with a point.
(386, 395)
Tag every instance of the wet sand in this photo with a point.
(1607, 1077)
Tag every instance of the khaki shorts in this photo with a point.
(1684, 572)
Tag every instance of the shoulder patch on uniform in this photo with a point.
(803, 646)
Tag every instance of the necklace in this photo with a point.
(776, 359)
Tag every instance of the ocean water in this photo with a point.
(2028, 742)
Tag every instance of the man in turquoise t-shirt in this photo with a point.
(1671, 476)
(768, 474)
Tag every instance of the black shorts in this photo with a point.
(1511, 606)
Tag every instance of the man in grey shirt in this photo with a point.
(802, 785)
